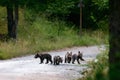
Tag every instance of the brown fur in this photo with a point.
(77, 57)
(46, 56)
(68, 57)
(57, 60)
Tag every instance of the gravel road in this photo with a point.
(28, 68)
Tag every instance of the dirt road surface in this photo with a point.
(28, 68)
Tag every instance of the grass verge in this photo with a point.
(99, 68)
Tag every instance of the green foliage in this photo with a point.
(13, 49)
(99, 68)
(36, 33)
(3, 22)
(101, 3)
(60, 6)
(94, 12)
(8, 2)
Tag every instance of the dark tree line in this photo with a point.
(67, 10)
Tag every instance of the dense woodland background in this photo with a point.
(95, 12)
(27, 26)
(36, 23)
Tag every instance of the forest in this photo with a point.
(41, 22)
(27, 26)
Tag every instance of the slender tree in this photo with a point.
(12, 17)
(81, 6)
(114, 29)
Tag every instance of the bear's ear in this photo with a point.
(80, 52)
(38, 54)
(67, 52)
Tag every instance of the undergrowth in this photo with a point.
(99, 68)
(36, 33)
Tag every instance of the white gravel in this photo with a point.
(28, 68)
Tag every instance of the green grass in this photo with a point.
(36, 33)
(99, 68)
(3, 21)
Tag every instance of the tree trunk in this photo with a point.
(12, 13)
(10, 20)
(114, 40)
(81, 6)
(15, 21)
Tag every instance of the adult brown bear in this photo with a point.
(46, 56)
(57, 60)
(77, 57)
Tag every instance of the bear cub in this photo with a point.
(68, 57)
(46, 56)
(77, 57)
(57, 60)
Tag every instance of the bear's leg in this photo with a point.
(65, 60)
(78, 61)
(54, 62)
(57, 62)
(82, 59)
(69, 60)
(47, 61)
(41, 61)
(73, 61)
